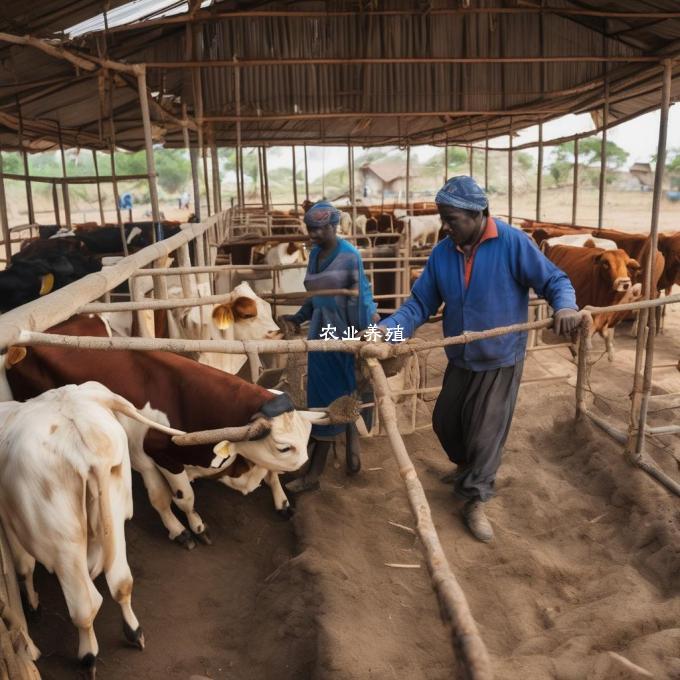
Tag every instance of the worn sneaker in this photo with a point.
(476, 521)
(302, 484)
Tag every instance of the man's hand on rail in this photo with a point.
(288, 327)
(566, 321)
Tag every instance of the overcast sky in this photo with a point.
(639, 137)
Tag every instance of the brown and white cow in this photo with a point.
(65, 493)
(192, 397)
(600, 278)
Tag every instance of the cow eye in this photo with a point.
(605, 264)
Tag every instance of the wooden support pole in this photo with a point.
(350, 176)
(446, 161)
(4, 221)
(306, 175)
(472, 161)
(148, 145)
(27, 172)
(510, 175)
(539, 172)
(215, 166)
(265, 172)
(206, 180)
(260, 174)
(574, 194)
(55, 205)
(193, 157)
(470, 650)
(408, 178)
(239, 149)
(642, 383)
(295, 188)
(64, 186)
(102, 218)
(603, 148)
(486, 160)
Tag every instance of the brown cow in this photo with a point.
(191, 396)
(600, 278)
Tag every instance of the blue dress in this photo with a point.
(331, 374)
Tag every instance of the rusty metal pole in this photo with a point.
(574, 195)
(642, 384)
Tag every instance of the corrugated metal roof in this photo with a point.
(361, 102)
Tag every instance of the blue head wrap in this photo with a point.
(462, 192)
(321, 214)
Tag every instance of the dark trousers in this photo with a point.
(472, 418)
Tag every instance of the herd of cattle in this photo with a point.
(65, 484)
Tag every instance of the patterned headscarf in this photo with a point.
(462, 192)
(321, 214)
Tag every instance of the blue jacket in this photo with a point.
(504, 269)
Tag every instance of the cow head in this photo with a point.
(281, 445)
(249, 316)
(617, 269)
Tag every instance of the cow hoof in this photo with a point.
(186, 540)
(33, 614)
(286, 512)
(204, 537)
(134, 637)
(88, 667)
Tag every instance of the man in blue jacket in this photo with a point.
(482, 272)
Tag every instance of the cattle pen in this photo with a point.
(252, 75)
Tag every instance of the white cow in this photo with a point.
(398, 213)
(360, 224)
(422, 228)
(345, 225)
(65, 495)
(579, 241)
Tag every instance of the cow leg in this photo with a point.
(24, 565)
(83, 602)
(119, 580)
(281, 502)
(161, 500)
(183, 497)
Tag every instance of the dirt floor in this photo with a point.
(585, 562)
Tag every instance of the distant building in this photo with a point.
(644, 174)
(386, 178)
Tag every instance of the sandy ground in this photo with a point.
(586, 561)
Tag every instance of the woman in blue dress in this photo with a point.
(333, 263)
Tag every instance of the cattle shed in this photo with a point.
(241, 74)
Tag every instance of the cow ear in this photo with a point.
(223, 316)
(224, 449)
(15, 355)
(46, 284)
(244, 308)
(634, 265)
(292, 247)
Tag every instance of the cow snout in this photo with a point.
(636, 291)
(622, 284)
(274, 335)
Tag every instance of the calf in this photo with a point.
(600, 278)
(422, 228)
(192, 397)
(65, 494)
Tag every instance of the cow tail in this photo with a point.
(99, 483)
(117, 403)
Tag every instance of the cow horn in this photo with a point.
(259, 428)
